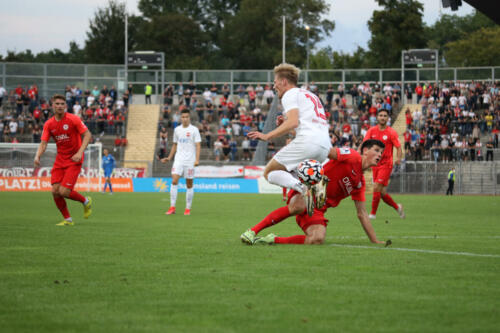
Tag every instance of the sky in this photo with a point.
(48, 24)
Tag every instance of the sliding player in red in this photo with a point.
(345, 171)
(382, 172)
(66, 129)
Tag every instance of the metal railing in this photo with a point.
(52, 78)
(432, 178)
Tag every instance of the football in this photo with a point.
(310, 171)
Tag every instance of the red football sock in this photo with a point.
(74, 195)
(284, 192)
(297, 239)
(375, 201)
(61, 205)
(388, 200)
(274, 217)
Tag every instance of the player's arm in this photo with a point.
(290, 123)
(198, 150)
(365, 222)
(172, 153)
(399, 155)
(85, 141)
(41, 149)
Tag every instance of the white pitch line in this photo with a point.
(418, 250)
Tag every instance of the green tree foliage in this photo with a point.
(178, 36)
(105, 38)
(397, 27)
(480, 48)
(253, 37)
(450, 28)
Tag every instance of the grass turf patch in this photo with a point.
(130, 267)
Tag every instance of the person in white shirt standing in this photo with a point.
(3, 93)
(304, 113)
(186, 148)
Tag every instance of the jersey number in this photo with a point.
(318, 107)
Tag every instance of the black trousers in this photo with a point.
(451, 184)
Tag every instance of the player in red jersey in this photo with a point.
(345, 171)
(66, 129)
(382, 172)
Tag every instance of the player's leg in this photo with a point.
(176, 175)
(314, 228)
(108, 180)
(189, 190)
(277, 174)
(315, 234)
(66, 189)
(296, 205)
(384, 175)
(61, 205)
(377, 189)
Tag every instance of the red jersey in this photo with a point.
(66, 133)
(346, 177)
(390, 139)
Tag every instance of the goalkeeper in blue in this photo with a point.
(108, 165)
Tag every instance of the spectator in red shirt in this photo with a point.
(419, 91)
(19, 90)
(409, 118)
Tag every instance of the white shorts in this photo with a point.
(295, 152)
(184, 170)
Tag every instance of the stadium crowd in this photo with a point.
(457, 122)
(23, 112)
(225, 119)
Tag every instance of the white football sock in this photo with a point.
(173, 195)
(285, 179)
(189, 197)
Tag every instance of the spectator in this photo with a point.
(489, 150)
(3, 93)
(148, 91)
(451, 181)
(213, 91)
(479, 152)
(268, 95)
(37, 134)
(218, 149)
(233, 145)
(176, 118)
(245, 146)
(77, 109)
(13, 128)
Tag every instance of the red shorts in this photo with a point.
(381, 175)
(304, 221)
(65, 173)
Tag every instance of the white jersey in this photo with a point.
(313, 125)
(186, 139)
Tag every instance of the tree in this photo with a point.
(178, 36)
(480, 48)
(211, 15)
(105, 40)
(450, 28)
(253, 37)
(395, 28)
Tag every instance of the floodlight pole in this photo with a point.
(403, 75)
(307, 57)
(126, 49)
(284, 38)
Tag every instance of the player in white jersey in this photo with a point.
(304, 113)
(186, 147)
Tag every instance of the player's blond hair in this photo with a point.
(58, 96)
(288, 72)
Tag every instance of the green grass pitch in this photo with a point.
(131, 268)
